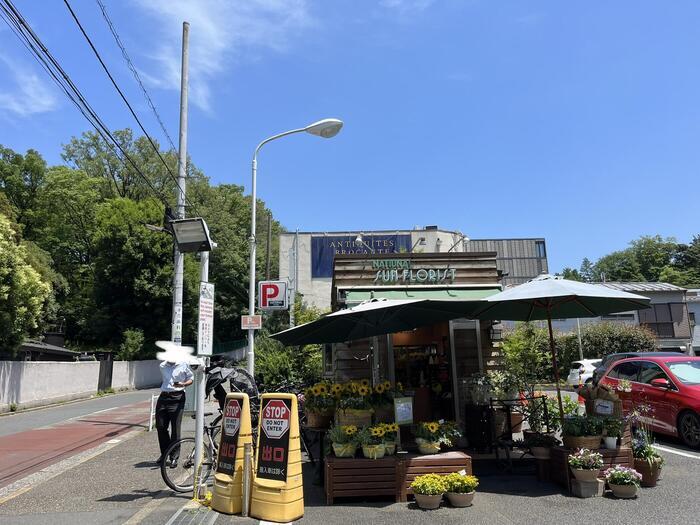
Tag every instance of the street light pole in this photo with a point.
(326, 128)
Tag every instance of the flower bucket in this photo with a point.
(390, 447)
(374, 451)
(623, 491)
(650, 472)
(610, 442)
(585, 474)
(319, 419)
(384, 414)
(541, 452)
(352, 416)
(589, 442)
(428, 447)
(344, 450)
(461, 499)
(428, 501)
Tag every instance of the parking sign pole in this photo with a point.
(201, 394)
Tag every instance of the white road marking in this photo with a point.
(678, 452)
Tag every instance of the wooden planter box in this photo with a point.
(388, 476)
(561, 473)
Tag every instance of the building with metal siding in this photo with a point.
(518, 259)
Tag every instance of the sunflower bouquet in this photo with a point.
(430, 435)
(344, 440)
(355, 395)
(391, 431)
(318, 398)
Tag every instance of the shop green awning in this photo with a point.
(470, 294)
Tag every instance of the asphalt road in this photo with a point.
(21, 421)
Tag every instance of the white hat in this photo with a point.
(174, 353)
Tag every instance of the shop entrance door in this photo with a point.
(467, 358)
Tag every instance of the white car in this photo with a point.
(581, 372)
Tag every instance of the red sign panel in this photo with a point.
(272, 295)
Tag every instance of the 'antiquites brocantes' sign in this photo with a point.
(392, 271)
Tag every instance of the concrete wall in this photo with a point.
(35, 383)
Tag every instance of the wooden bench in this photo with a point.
(413, 465)
(559, 463)
(361, 477)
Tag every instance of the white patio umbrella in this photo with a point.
(550, 297)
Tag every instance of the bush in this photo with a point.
(577, 426)
(429, 484)
(132, 345)
(619, 475)
(460, 484)
(586, 460)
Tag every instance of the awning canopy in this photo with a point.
(441, 294)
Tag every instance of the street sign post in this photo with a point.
(205, 331)
(251, 322)
(272, 295)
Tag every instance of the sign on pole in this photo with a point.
(272, 295)
(251, 322)
(205, 331)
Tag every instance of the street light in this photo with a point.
(191, 235)
(326, 129)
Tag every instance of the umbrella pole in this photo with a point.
(553, 349)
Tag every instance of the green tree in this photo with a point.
(619, 266)
(22, 292)
(587, 271)
(653, 254)
(21, 178)
(688, 262)
(132, 345)
(571, 274)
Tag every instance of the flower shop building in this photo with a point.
(433, 363)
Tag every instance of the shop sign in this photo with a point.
(324, 248)
(229, 437)
(401, 271)
(274, 440)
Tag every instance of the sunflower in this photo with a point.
(323, 389)
(316, 390)
(377, 431)
(337, 388)
(432, 427)
(350, 430)
(364, 382)
(363, 390)
(387, 385)
(352, 387)
(379, 389)
(393, 427)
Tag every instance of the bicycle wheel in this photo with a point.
(181, 477)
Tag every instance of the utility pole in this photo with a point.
(293, 289)
(267, 249)
(179, 258)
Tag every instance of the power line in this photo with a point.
(128, 105)
(33, 43)
(134, 72)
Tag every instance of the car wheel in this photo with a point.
(689, 429)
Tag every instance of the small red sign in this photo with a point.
(275, 419)
(232, 417)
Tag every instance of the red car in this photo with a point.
(669, 385)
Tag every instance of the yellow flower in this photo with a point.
(363, 390)
(353, 387)
(387, 385)
(350, 430)
(399, 387)
(323, 389)
(364, 382)
(379, 389)
(377, 431)
(336, 388)
(316, 390)
(308, 392)
(393, 427)
(432, 427)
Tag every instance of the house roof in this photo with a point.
(643, 287)
(47, 348)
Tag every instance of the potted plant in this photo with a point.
(582, 432)
(623, 481)
(354, 404)
(613, 429)
(428, 490)
(391, 430)
(383, 402)
(460, 489)
(647, 461)
(344, 440)
(540, 445)
(428, 437)
(372, 441)
(319, 405)
(585, 464)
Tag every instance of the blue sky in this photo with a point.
(575, 121)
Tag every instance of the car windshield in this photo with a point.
(687, 372)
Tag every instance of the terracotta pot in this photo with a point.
(390, 447)
(610, 442)
(516, 422)
(461, 499)
(352, 416)
(374, 451)
(623, 491)
(428, 447)
(319, 419)
(428, 501)
(650, 473)
(345, 450)
(541, 452)
(585, 474)
(589, 442)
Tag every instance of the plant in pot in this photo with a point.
(647, 461)
(344, 440)
(428, 436)
(383, 402)
(582, 432)
(428, 490)
(354, 404)
(540, 445)
(461, 489)
(623, 481)
(319, 405)
(372, 441)
(585, 464)
(391, 430)
(613, 428)
(543, 417)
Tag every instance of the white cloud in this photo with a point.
(407, 6)
(220, 31)
(28, 93)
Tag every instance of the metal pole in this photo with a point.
(293, 291)
(251, 274)
(201, 393)
(267, 249)
(580, 345)
(179, 258)
(247, 477)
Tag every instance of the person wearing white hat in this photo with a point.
(176, 374)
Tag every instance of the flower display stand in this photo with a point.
(587, 489)
(561, 473)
